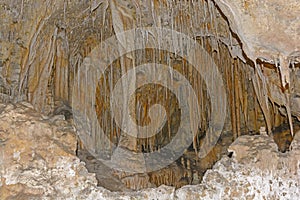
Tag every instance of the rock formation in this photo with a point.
(38, 161)
(249, 54)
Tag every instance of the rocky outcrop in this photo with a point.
(38, 161)
(256, 170)
(38, 156)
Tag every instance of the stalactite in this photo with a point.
(244, 97)
(285, 81)
(288, 110)
(261, 93)
(236, 98)
(230, 84)
(29, 57)
(201, 21)
(62, 67)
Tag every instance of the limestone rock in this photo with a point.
(266, 28)
(38, 157)
(38, 161)
(255, 171)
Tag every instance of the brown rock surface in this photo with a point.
(269, 31)
(43, 42)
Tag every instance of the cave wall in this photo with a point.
(43, 45)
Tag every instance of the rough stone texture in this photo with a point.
(255, 171)
(38, 162)
(267, 28)
(38, 156)
(42, 43)
(269, 31)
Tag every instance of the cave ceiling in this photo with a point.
(268, 30)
